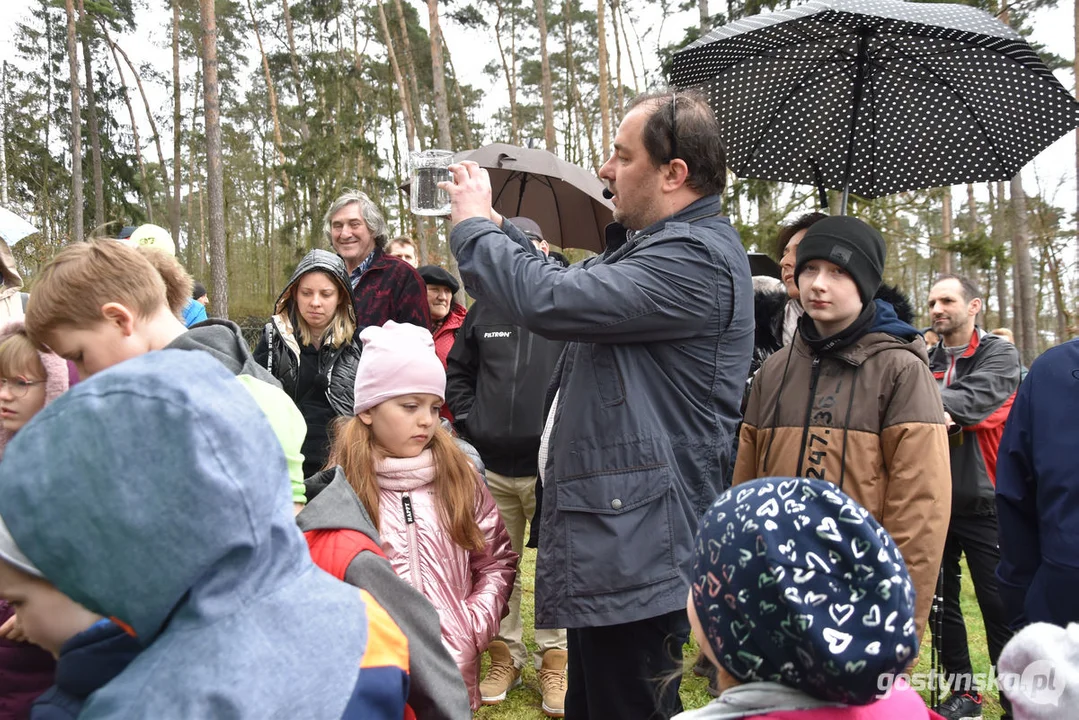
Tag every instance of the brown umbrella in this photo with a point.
(566, 200)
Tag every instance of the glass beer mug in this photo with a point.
(428, 169)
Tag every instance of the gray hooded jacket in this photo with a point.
(660, 332)
(178, 525)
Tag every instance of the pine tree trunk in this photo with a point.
(617, 58)
(402, 88)
(214, 171)
(1026, 310)
(972, 209)
(1063, 316)
(95, 133)
(49, 227)
(442, 110)
(305, 130)
(545, 77)
(458, 95)
(604, 79)
(144, 186)
(417, 105)
(145, 105)
(1000, 226)
(3, 134)
(174, 208)
(77, 233)
(277, 141)
(629, 50)
(438, 77)
(192, 229)
(946, 230)
(706, 21)
(583, 116)
(511, 78)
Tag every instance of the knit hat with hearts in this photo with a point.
(796, 583)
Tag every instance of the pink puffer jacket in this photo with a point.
(470, 590)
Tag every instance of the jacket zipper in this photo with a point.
(413, 542)
(513, 385)
(809, 411)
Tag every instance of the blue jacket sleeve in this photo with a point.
(1017, 512)
(194, 312)
(645, 297)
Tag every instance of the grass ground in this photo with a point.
(523, 703)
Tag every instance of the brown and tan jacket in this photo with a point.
(885, 444)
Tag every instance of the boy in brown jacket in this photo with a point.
(852, 401)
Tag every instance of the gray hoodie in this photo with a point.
(223, 340)
(151, 493)
(753, 699)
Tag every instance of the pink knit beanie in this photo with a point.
(398, 359)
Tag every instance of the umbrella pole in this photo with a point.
(522, 181)
(861, 69)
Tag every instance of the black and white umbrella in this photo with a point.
(876, 97)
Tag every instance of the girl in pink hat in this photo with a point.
(438, 524)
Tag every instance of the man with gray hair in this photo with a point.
(383, 287)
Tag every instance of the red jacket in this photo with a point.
(390, 290)
(979, 398)
(447, 332)
(444, 337)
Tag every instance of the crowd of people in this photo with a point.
(330, 525)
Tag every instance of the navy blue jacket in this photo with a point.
(1037, 494)
(87, 662)
(659, 332)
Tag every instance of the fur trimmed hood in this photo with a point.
(56, 374)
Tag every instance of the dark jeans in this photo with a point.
(975, 536)
(621, 671)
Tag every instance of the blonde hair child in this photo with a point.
(439, 525)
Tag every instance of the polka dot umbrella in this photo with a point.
(875, 97)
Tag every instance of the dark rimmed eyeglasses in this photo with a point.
(17, 386)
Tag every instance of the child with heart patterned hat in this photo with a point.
(804, 603)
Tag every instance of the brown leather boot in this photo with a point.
(552, 678)
(501, 677)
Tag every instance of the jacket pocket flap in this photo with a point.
(613, 492)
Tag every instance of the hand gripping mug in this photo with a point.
(429, 168)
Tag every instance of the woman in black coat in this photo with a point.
(309, 346)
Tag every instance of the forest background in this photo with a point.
(235, 123)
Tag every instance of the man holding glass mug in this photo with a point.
(646, 395)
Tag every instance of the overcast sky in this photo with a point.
(1053, 172)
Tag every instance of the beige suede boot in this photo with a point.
(501, 677)
(552, 678)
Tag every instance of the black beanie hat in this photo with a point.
(849, 243)
(434, 275)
